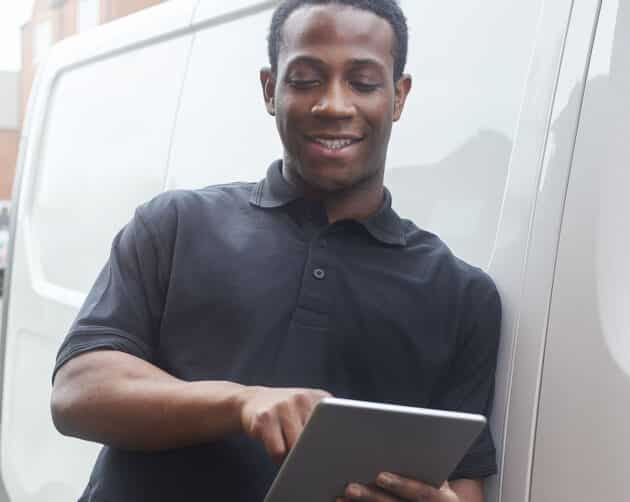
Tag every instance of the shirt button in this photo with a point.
(319, 273)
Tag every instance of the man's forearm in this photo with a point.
(120, 400)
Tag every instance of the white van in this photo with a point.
(517, 132)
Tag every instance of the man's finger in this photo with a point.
(408, 489)
(356, 491)
(305, 403)
(291, 424)
(272, 438)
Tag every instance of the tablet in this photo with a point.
(353, 441)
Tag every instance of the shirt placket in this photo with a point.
(305, 357)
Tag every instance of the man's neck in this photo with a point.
(357, 203)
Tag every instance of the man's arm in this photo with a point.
(120, 400)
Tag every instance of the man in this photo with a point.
(225, 314)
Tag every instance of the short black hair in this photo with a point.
(386, 9)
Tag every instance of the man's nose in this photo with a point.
(334, 102)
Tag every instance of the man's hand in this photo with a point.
(392, 488)
(276, 416)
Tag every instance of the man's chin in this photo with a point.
(330, 184)
(327, 178)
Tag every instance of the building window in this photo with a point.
(42, 40)
(88, 14)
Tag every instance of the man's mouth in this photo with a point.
(334, 143)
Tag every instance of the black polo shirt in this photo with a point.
(249, 283)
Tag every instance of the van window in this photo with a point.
(450, 153)
(103, 153)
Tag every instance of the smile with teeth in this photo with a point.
(334, 144)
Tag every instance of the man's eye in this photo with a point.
(303, 83)
(364, 86)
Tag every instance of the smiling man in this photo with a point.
(198, 356)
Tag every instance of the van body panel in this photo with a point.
(513, 417)
(95, 182)
(206, 151)
(548, 195)
(147, 26)
(212, 12)
(35, 105)
(583, 437)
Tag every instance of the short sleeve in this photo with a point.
(469, 386)
(123, 309)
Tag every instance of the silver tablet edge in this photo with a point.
(368, 405)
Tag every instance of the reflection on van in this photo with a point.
(460, 196)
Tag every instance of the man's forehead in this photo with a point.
(339, 26)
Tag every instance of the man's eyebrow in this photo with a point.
(366, 62)
(320, 63)
(310, 60)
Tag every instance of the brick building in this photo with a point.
(9, 134)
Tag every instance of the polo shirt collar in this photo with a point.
(274, 191)
(385, 225)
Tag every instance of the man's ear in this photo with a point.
(268, 82)
(403, 86)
